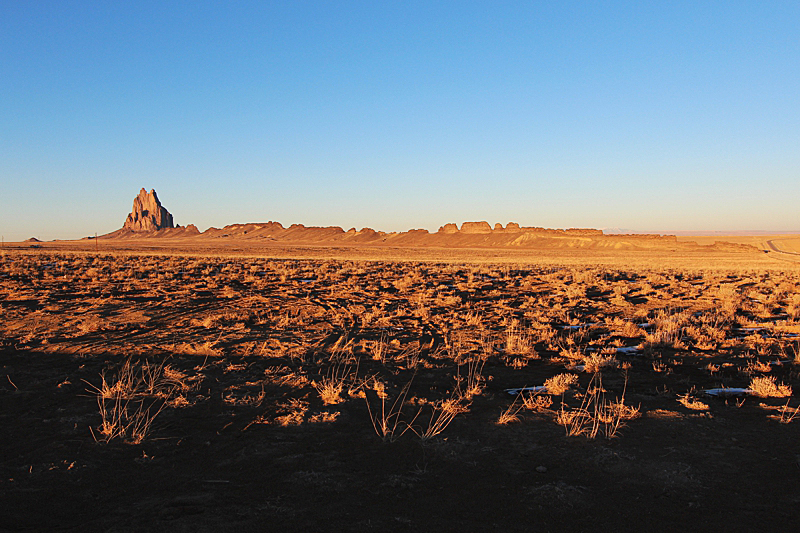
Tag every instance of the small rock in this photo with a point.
(541, 469)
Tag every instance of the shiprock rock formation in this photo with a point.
(150, 219)
(148, 214)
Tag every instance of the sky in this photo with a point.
(650, 116)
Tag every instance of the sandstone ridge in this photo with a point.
(469, 235)
(150, 219)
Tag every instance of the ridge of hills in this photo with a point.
(149, 219)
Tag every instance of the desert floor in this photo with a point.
(154, 387)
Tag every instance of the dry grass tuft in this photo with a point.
(793, 307)
(473, 382)
(443, 414)
(560, 383)
(787, 414)
(380, 350)
(518, 342)
(294, 413)
(597, 362)
(537, 402)
(331, 386)
(596, 415)
(631, 330)
(767, 387)
(509, 415)
(692, 403)
(129, 402)
(388, 419)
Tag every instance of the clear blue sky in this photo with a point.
(398, 115)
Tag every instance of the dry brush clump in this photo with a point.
(387, 419)
(518, 342)
(596, 362)
(537, 402)
(596, 415)
(510, 414)
(768, 387)
(626, 328)
(334, 382)
(129, 402)
(442, 414)
(471, 383)
(690, 402)
(560, 383)
(669, 330)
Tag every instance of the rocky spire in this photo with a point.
(148, 214)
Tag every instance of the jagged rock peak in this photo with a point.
(148, 214)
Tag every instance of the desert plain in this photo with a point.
(226, 383)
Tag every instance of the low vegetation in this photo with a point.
(435, 367)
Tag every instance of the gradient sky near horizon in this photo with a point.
(398, 115)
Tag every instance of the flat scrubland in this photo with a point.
(773, 244)
(683, 254)
(444, 390)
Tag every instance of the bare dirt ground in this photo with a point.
(213, 390)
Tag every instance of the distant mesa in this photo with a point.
(472, 228)
(32, 239)
(148, 214)
(476, 227)
(448, 228)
